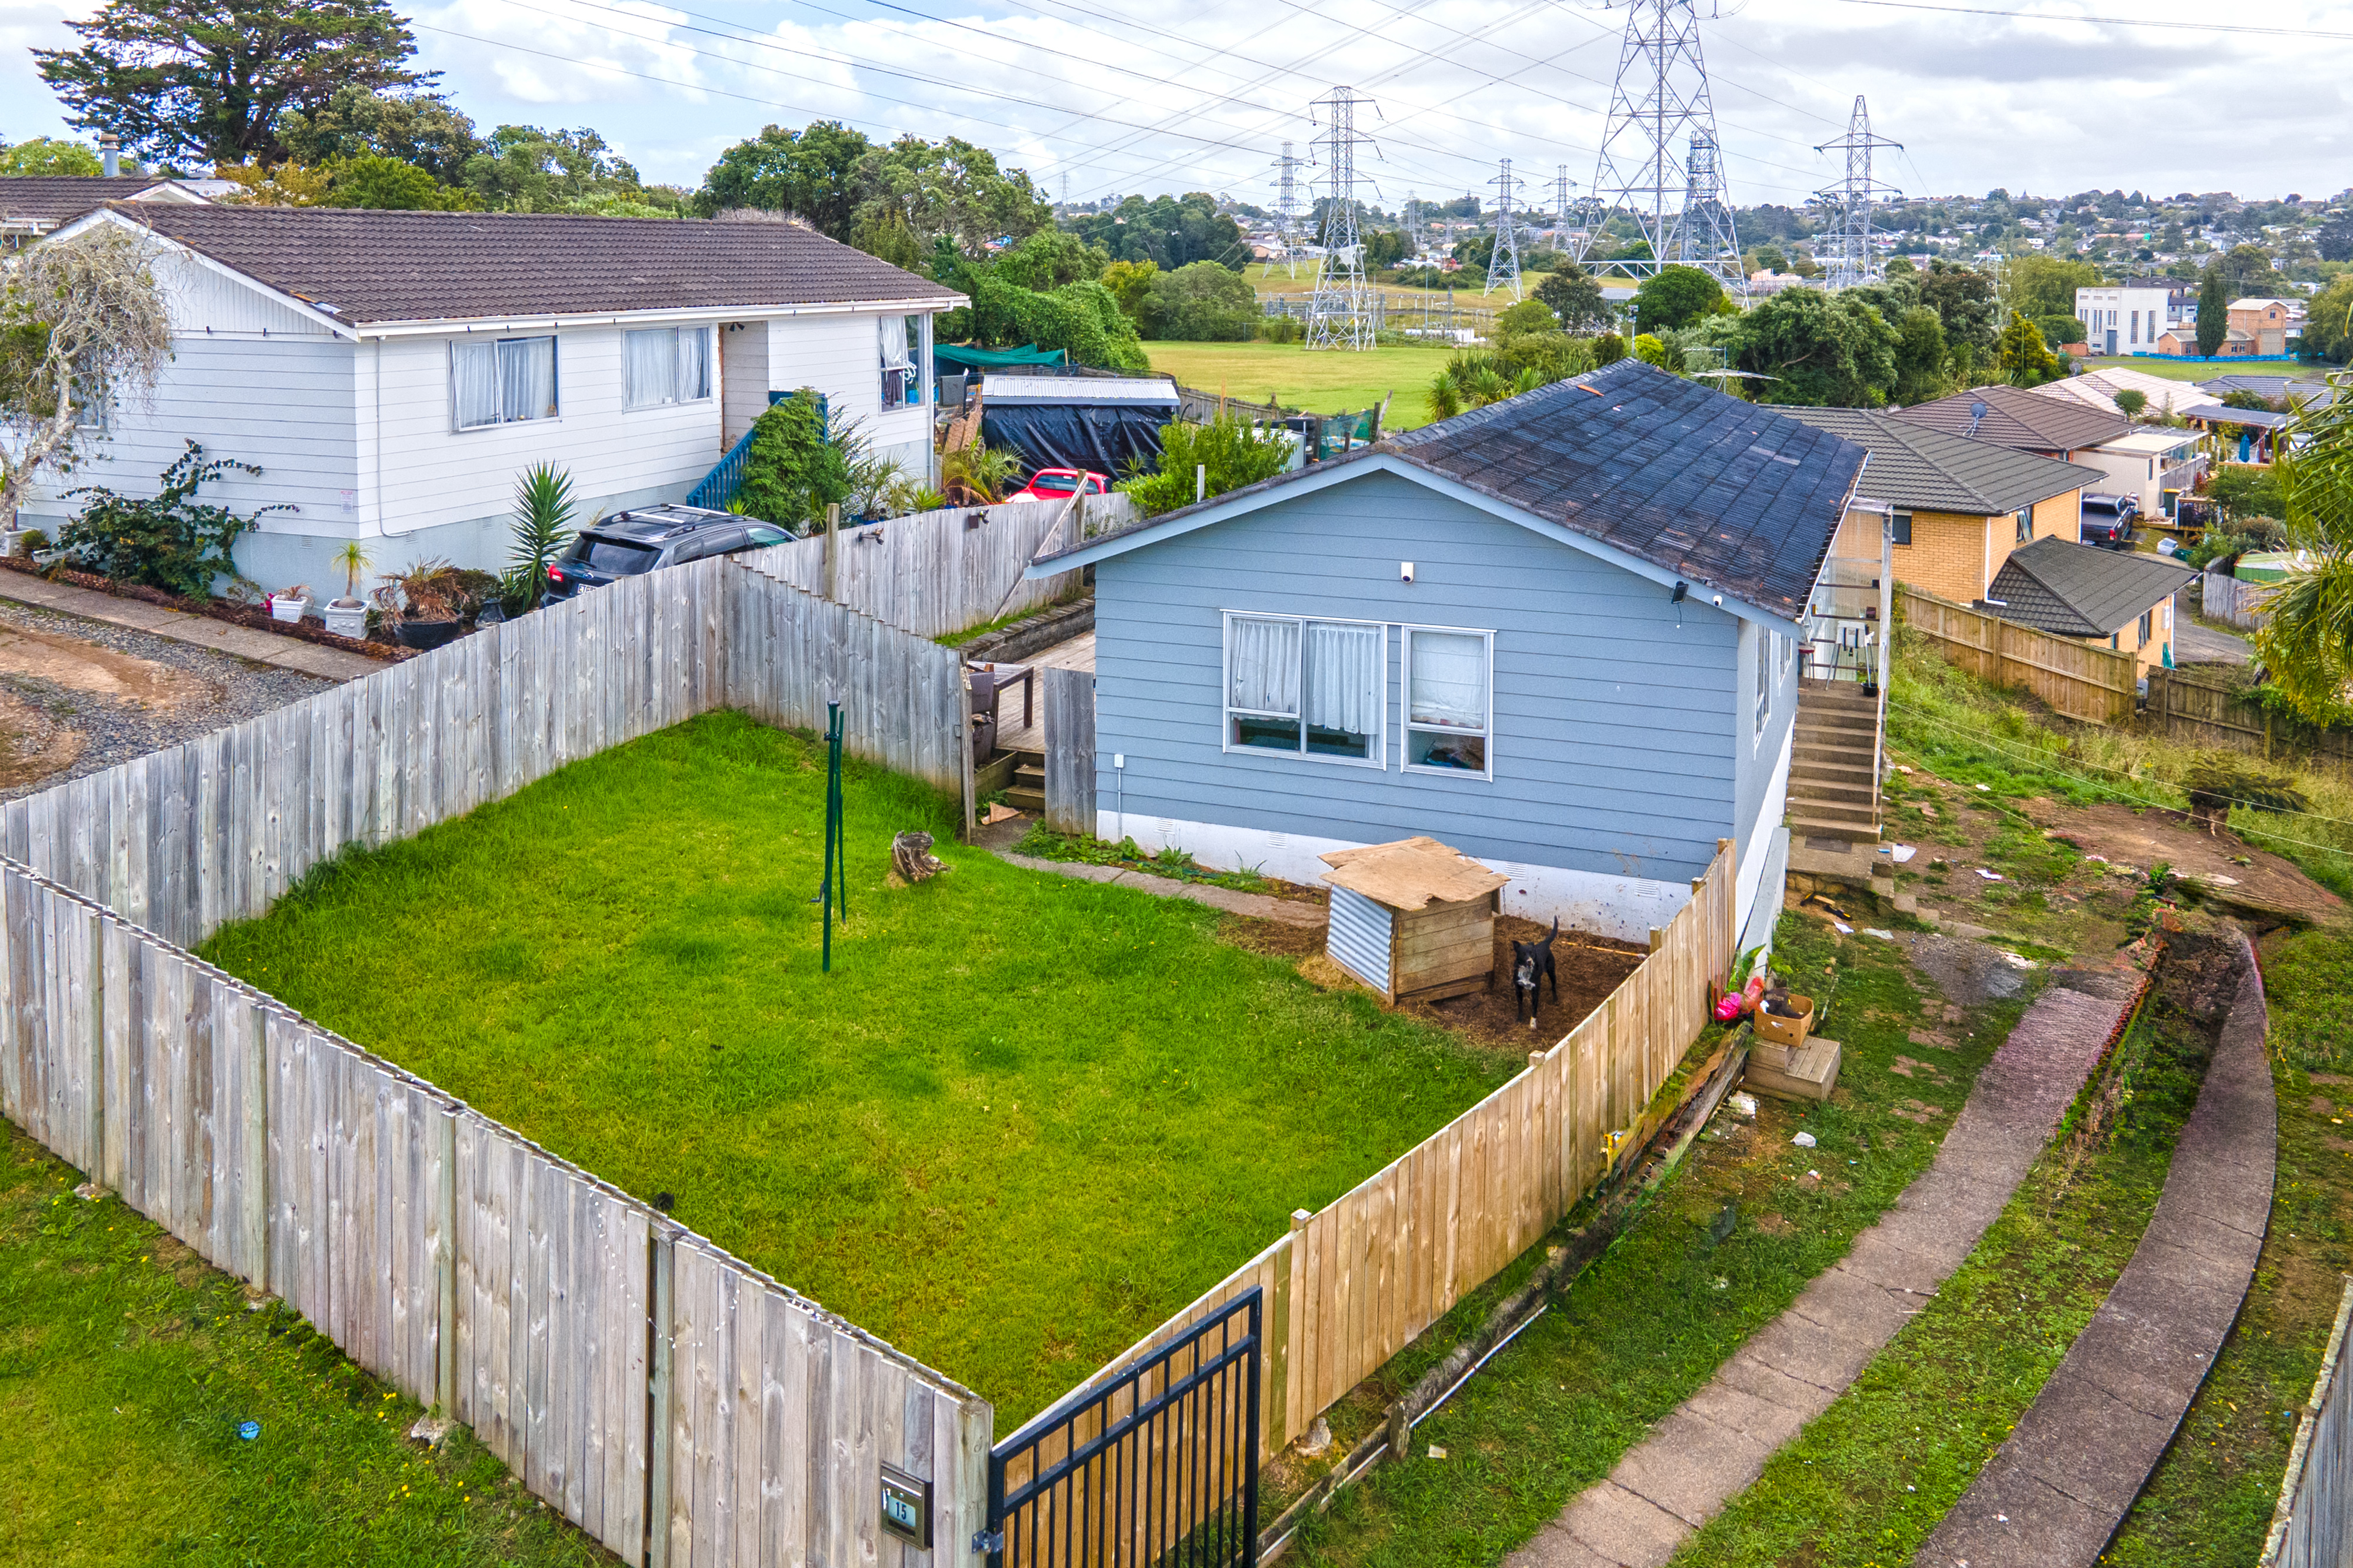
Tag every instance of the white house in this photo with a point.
(2158, 467)
(392, 373)
(2122, 321)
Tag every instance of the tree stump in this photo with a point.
(912, 860)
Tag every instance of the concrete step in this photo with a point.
(1808, 826)
(1802, 788)
(1836, 755)
(1837, 721)
(1862, 812)
(1851, 767)
(1834, 694)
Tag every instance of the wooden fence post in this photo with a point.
(660, 1264)
(94, 1112)
(1274, 1433)
(833, 553)
(256, 1217)
(445, 1263)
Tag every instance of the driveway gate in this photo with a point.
(1156, 1465)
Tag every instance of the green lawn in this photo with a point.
(2182, 370)
(1024, 1119)
(127, 1368)
(1323, 381)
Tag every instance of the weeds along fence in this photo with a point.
(2312, 1526)
(2208, 713)
(2082, 680)
(667, 1398)
(1350, 1285)
(938, 572)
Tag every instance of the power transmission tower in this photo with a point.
(1286, 208)
(1412, 227)
(1561, 186)
(1849, 259)
(1340, 313)
(1504, 261)
(1659, 162)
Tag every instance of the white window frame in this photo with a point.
(1764, 684)
(1789, 647)
(556, 361)
(1377, 761)
(1406, 727)
(677, 336)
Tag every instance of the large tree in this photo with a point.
(419, 128)
(1575, 296)
(1963, 299)
(1818, 348)
(1168, 231)
(48, 155)
(2213, 309)
(82, 326)
(812, 173)
(1676, 296)
(2045, 285)
(210, 80)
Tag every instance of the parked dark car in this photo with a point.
(649, 537)
(2108, 519)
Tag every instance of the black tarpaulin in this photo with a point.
(1106, 439)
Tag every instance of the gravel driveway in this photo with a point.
(77, 697)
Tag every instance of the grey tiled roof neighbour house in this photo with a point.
(2077, 591)
(1737, 498)
(53, 199)
(2018, 418)
(2219, 413)
(369, 267)
(2312, 389)
(1914, 468)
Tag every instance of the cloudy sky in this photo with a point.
(1119, 96)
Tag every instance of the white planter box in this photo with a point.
(346, 621)
(282, 608)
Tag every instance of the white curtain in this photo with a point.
(1263, 665)
(1449, 680)
(1343, 677)
(649, 366)
(693, 364)
(474, 383)
(894, 343)
(527, 377)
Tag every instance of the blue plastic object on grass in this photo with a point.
(249, 1430)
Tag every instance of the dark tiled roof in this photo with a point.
(2075, 591)
(1914, 467)
(433, 266)
(2304, 389)
(54, 198)
(1738, 498)
(2221, 413)
(2017, 418)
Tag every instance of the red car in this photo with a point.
(1057, 484)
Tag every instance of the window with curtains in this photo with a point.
(665, 364)
(1313, 689)
(501, 381)
(1449, 696)
(901, 344)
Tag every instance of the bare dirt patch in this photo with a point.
(82, 666)
(33, 744)
(2144, 837)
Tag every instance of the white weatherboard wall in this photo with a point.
(842, 356)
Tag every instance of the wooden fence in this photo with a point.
(1068, 703)
(1350, 1285)
(2080, 679)
(441, 1251)
(937, 572)
(2223, 598)
(2208, 713)
(2312, 1524)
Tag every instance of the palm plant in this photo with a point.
(985, 471)
(543, 530)
(354, 560)
(2305, 645)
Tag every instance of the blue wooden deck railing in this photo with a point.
(718, 487)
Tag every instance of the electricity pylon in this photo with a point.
(1504, 261)
(1845, 250)
(1659, 163)
(1286, 209)
(1561, 186)
(1339, 313)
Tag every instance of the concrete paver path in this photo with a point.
(288, 653)
(1716, 1443)
(2054, 1493)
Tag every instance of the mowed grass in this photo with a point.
(1320, 381)
(1023, 1121)
(2183, 370)
(127, 1368)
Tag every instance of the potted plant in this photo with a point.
(422, 603)
(543, 532)
(290, 606)
(347, 617)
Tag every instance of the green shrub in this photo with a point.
(794, 468)
(1235, 453)
(1200, 302)
(1083, 319)
(172, 541)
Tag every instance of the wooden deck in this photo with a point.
(1012, 735)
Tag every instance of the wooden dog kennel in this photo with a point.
(1413, 920)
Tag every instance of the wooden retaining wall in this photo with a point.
(2081, 680)
(2207, 712)
(1351, 1285)
(937, 572)
(667, 1398)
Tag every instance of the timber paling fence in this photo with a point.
(666, 1397)
(2312, 1525)
(2080, 679)
(1350, 1285)
(672, 1401)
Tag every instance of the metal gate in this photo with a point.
(1156, 1465)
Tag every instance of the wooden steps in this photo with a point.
(1833, 763)
(1026, 792)
(1803, 1072)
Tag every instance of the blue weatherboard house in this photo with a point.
(1559, 633)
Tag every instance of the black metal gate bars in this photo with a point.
(1157, 1467)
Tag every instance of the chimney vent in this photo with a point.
(111, 146)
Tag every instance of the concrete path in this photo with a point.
(2194, 644)
(2059, 1487)
(1290, 912)
(1712, 1446)
(287, 653)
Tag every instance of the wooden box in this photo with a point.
(1793, 1072)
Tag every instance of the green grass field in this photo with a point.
(2181, 370)
(1328, 381)
(127, 1368)
(1023, 1121)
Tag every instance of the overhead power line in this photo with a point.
(2108, 21)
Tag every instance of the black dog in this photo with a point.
(1532, 963)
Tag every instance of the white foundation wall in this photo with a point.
(1623, 908)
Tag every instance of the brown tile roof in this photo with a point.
(380, 267)
(2020, 420)
(54, 198)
